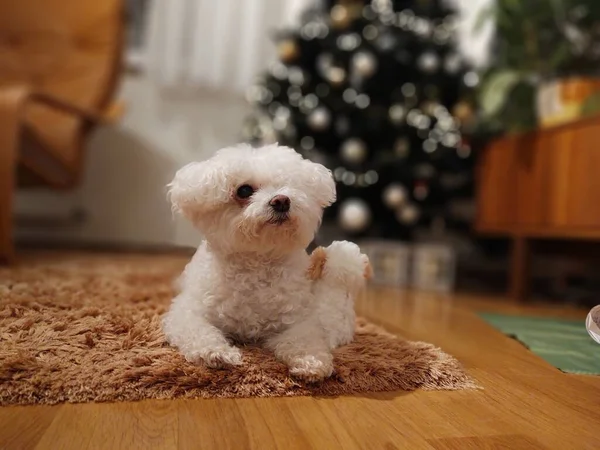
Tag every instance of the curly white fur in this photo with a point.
(248, 280)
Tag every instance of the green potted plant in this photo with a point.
(545, 53)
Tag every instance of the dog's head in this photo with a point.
(266, 199)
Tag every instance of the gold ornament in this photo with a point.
(463, 111)
(345, 12)
(340, 17)
(288, 50)
(429, 107)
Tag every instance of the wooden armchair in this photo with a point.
(59, 67)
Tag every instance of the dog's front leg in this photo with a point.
(303, 347)
(196, 338)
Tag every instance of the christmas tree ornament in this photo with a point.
(397, 113)
(338, 173)
(429, 107)
(353, 151)
(420, 191)
(273, 107)
(450, 139)
(471, 79)
(281, 122)
(386, 42)
(348, 42)
(402, 147)
(413, 116)
(429, 146)
(336, 75)
(294, 92)
(371, 177)
(364, 63)
(278, 70)
(349, 95)
(423, 122)
(362, 101)
(309, 102)
(441, 34)
(409, 90)
(464, 112)
(307, 143)
(422, 27)
(464, 150)
(395, 195)
(354, 215)
(349, 178)
(408, 215)
(319, 119)
(428, 62)
(288, 50)
(370, 32)
(296, 76)
(340, 17)
(405, 19)
(452, 63)
(369, 13)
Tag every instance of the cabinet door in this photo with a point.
(496, 186)
(531, 179)
(570, 192)
(581, 204)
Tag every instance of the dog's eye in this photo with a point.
(244, 191)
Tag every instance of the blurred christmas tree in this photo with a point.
(378, 92)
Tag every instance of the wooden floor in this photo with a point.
(524, 403)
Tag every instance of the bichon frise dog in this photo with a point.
(251, 279)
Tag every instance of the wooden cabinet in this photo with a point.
(541, 185)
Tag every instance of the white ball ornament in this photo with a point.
(397, 113)
(319, 119)
(354, 151)
(428, 62)
(395, 195)
(364, 64)
(354, 215)
(408, 215)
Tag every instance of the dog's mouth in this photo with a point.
(278, 219)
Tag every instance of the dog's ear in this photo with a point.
(323, 183)
(197, 188)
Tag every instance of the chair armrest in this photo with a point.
(108, 116)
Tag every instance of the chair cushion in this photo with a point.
(68, 48)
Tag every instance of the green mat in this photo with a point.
(563, 343)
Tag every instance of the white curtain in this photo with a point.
(215, 44)
(223, 44)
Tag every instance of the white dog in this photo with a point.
(251, 280)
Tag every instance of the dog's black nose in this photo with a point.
(280, 203)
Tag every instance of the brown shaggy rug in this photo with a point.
(82, 327)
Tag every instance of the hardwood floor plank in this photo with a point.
(144, 425)
(21, 427)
